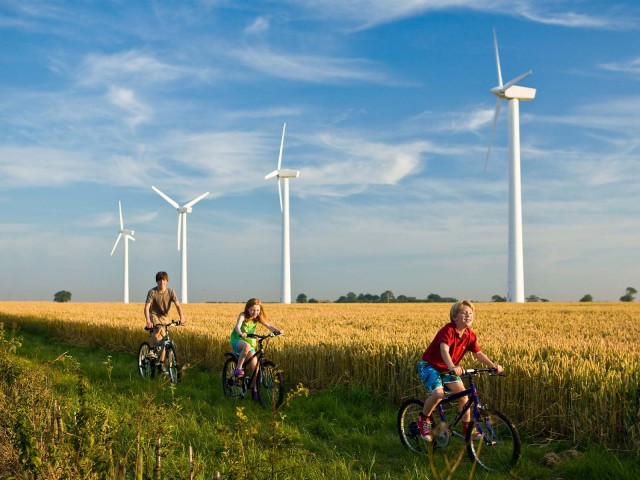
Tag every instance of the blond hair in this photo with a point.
(455, 308)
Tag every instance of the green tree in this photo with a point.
(533, 298)
(62, 296)
(629, 296)
(313, 300)
(498, 298)
(302, 298)
(587, 298)
(387, 296)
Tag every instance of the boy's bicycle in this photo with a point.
(147, 356)
(496, 448)
(267, 376)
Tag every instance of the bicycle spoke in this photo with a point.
(499, 448)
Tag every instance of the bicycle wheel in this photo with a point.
(270, 388)
(408, 426)
(232, 387)
(146, 366)
(171, 362)
(499, 448)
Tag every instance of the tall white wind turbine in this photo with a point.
(182, 232)
(128, 235)
(284, 175)
(513, 93)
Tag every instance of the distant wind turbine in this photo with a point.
(285, 175)
(182, 232)
(128, 235)
(513, 93)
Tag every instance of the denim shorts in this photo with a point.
(234, 345)
(432, 378)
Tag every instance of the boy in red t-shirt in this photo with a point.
(439, 364)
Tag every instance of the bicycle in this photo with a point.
(497, 448)
(147, 356)
(266, 375)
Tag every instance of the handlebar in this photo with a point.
(262, 337)
(471, 372)
(172, 323)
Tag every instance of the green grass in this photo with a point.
(342, 433)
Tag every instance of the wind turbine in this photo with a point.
(182, 232)
(128, 235)
(513, 93)
(284, 175)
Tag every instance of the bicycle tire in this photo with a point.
(499, 448)
(232, 387)
(270, 387)
(172, 365)
(146, 367)
(408, 426)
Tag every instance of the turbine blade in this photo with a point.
(116, 244)
(131, 237)
(493, 132)
(280, 193)
(196, 200)
(495, 44)
(172, 202)
(179, 228)
(511, 83)
(271, 175)
(284, 127)
(120, 209)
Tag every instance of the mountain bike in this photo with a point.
(266, 376)
(496, 448)
(148, 356)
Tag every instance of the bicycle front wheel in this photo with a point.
(498, 449)
(270, 388)
(145, 364)
(408, 426)
(232, 386)
(171, 362)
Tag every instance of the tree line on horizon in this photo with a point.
(388, 297)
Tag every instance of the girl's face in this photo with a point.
(254, 311)
(464, 318)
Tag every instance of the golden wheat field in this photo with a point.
(572, 369)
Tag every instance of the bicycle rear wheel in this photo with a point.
(270, 388)
(232, 386)
(499, 448)
(146, 366)
(408, 426)
(171, 362)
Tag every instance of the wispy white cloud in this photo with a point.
(259, 25)
(369, 13)
(631, 67)
(133, 66)
(312, 68)
(125, 99)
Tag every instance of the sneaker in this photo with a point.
(475, 434)
(238, 372)
(254, 395)
(424, 426)
(163, 369)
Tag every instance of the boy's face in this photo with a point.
(162, 284)
(464, 318)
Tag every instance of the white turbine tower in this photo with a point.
(182, 232)
(128, 235)
(513, 93)
(285, 175)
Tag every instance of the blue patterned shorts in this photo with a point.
(433, 379)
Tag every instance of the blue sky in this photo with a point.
(388, 111)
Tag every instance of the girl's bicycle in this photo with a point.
(148, 356)
(496, 448)
(266, 376)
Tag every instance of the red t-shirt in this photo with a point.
(458, 346)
